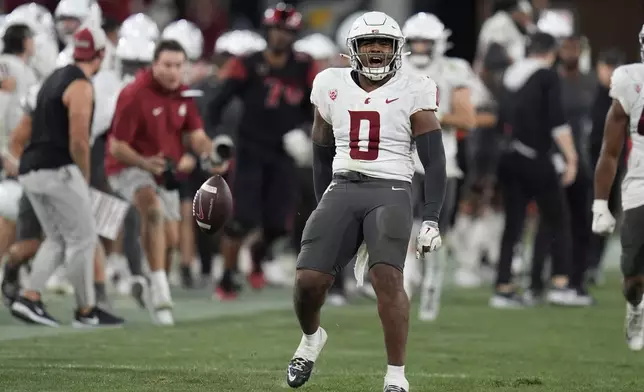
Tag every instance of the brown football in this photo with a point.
(212, 206)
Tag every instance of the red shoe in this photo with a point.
(225, 295)
(257, 280)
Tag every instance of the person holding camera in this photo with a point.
(155, 124)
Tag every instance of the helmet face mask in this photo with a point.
(375, 46)
(421, 51)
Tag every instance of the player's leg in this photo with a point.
(434, 270)
(632, 266)
(515, 202)
(27, 231)
(187, 229)
(140, 188)
(28, 305)
(555, 217)
(247, 213)
(387, 227)
(171, 205)
(580, 224)
(278, 207)
(329, 241)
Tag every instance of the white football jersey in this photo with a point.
(627, 86)
(372, 130)
(449, 74)
(11, 66)
(107, 86)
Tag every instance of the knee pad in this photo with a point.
(237, 229)
(633, 290)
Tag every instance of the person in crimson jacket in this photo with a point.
(155, 124)
(274, 85)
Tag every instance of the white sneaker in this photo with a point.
(506, 301)
(635, 326)
(561, 297)
(163, 317)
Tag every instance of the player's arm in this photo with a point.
(17, 142)
(429, 143)
(614, 135)
(323, 153)
(463, 115)
(232, 76)
(561, 131)
(207, 149)
(79, 98)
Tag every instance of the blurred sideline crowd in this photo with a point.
(475, 142)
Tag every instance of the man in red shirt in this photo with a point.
(156, 118)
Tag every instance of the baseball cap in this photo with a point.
(88, 42)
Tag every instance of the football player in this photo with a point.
(624, 119)
(273, 84)
(367, 120)
(427, 41)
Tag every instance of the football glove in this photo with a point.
(223, 149)
(429, 238)
(298, 145)
(603, 220)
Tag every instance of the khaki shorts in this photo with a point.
(130, 180)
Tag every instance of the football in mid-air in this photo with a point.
(212, 206)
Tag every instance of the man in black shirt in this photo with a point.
(54, 171)
(531, 110)
(274, 85)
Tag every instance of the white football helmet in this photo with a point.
(318, 46)
(139, 25)
(556, 24)
(42, 18)
(135, 49)
(376, 25)
(71, 14)
(239, 43)
(426, 38)
(188, 35)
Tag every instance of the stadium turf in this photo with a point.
(245, 347)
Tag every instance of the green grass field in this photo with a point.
(245, 347)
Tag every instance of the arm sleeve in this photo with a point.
(432, 155)
(428, 96)
(233, 76)
(556, 119)
(322, 168)
(126, 118)
(193, 118)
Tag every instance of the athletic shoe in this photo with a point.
(96, 318)
(635, 326)
(336, 298)
(225, 294)
(257, 280)
(300, 367)
(511, 300)
(561, 297)
(533, 297)
(32, 312)
(394, 388)
(163, 316)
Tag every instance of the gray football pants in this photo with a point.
(60, 198)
